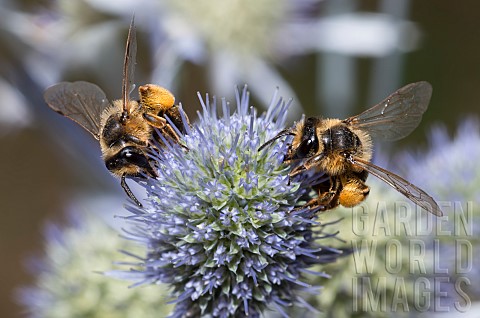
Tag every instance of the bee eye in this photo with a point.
(112, 164)
(128, 156)
(307, 148)
(134, 156)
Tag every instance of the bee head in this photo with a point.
(308, 144)
(130, 160)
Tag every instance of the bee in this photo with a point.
(124, 127)
(342, 149)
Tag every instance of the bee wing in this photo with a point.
(412, 192)
(82, 102)
(129, 64)
(397, 115)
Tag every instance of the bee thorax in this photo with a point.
(340, 139)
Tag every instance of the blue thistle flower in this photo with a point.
(222, 226)
(450, 171)
(68, 282)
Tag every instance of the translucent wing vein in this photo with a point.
(412, 192)
(397, 115)
(82, 102)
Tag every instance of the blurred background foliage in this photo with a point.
(334, 57)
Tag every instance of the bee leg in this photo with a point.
(175, 114)
(155, 97)
(354, 190)
(172, 134)
(328, 194)
(129, 192)
(155, 121)
(297, 170)
(161, 123)
(307, 165)
(289, 156)
(326, 198)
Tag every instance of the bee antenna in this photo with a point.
(285, 132)
(123, 117)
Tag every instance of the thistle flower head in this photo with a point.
(221, 228)
(451, 161)
(68, 282)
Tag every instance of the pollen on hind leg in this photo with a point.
(156, 97)
(353, 193)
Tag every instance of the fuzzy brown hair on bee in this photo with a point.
(125, 128)
(342, 149)
(332, 138)
(158, 103)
